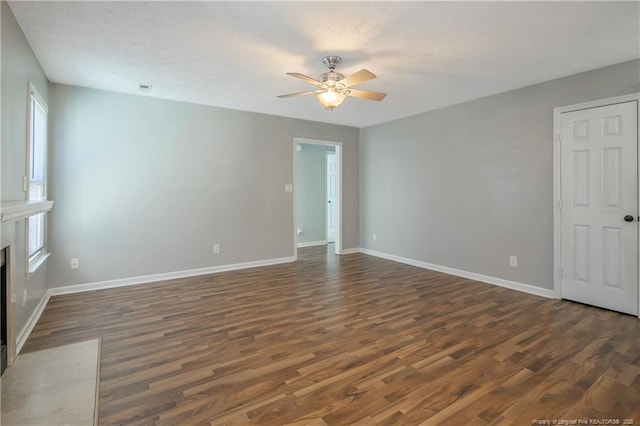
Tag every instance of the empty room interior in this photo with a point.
(320, 213)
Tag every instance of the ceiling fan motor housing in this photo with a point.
(330, 78)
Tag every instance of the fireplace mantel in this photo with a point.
(16, 210)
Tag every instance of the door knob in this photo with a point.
(628, 218)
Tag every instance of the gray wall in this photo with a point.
(311, 198)
(469, 185)
(19, 65)
(146, 186)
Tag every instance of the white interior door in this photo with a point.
(332, 196)
(599, 175)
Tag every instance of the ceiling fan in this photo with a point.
(333, 87)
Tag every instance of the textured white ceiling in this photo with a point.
(235, 54)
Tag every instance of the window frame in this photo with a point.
(35, 260)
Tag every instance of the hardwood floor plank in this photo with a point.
(341, 340)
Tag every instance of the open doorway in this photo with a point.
(317, 193)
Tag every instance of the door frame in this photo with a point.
(326, 190)
(338, 150)
(557, 184)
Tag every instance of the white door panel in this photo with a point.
(599, 152)
(332, 196)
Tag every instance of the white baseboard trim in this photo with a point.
(351, 250)
(31, 323)
(525, 288)
(100, 285)
(313, 243)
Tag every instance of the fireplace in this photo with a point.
(10, 213)
(3, 307)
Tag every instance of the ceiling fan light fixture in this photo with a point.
(333, 87)
(330, 98)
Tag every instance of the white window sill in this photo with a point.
(36, 262)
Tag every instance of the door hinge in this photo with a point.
(24, 184)
(560, 137)
(560, 204)
(561, 272)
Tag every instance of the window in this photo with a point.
(36, 177)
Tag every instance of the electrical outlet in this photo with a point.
(216, 248)
(24, 297)
(513, 261)
(300, 231)
(288, 187)
(75, 263)
(375, 237)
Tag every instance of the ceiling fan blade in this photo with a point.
(291, 95)
(365, 94)
(305, 78)
(357, 78)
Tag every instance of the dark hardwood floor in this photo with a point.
(348, 340)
